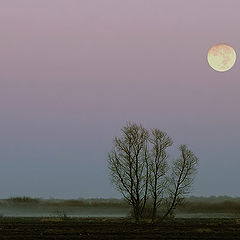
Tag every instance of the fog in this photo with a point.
(194, 207)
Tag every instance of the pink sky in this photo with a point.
(73, 72)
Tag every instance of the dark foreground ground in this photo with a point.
(106, 228)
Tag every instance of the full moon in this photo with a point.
(221, 57)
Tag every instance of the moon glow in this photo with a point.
(221, 57)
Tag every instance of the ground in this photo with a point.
(112, 229)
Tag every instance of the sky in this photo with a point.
(73, 72)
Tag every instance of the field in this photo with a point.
(107, 219)
(117, 228)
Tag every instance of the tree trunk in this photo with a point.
(154, 212)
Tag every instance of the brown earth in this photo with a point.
(112, 229)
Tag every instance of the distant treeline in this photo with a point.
(91, 202)
(221, 204)
(213, 204)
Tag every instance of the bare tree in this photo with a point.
(140, 171)
(158, 167)
(128, 165)
(181, 179)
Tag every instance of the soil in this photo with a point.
(117, 228)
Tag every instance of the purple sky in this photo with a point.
(73, 72)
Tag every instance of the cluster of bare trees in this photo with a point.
(141, 170)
